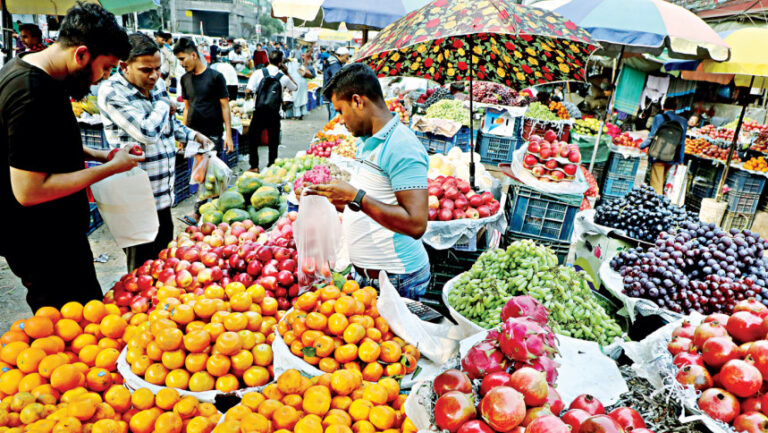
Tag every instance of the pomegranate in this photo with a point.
(503, 408)
(753, 306)
(453, 409)
(532, 384)
(475, 426)
(719, 350)
(719, 404)
(696, 376)
(498, 378)
(628, 418)
(452, 380)
(708, 330)
(687, 358)
(642, 430)
(588, 404)
(745, 326)
(717, 317)
(741, 378)
(575, 417)
(752, 404)
(751, 422)
(535, 413)
(758, 351)
(554, 401)
(548, 424)
(600, 424)
(685, 330)
(679, 344)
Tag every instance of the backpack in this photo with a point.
(666, 141)
(269, 94)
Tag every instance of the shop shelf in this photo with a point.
(96, 220)
(621, 166)
(436, 143)
(495, 149)
(738, 221)
(532, 213)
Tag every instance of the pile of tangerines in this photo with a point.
(334, 328)
(201, 343)
(338, 402)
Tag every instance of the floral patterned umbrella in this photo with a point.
(509, 44)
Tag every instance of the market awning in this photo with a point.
(60, 7)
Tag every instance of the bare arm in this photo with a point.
(31, 188)
(186, 111)
(95, 155)
(227, 125)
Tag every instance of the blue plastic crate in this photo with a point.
(617, 186)
(621, 166)
(495, 149)
(531, 213)
(93, 137)
(742, 202)
(229, 158)
(702, 190)
(744, 182)
(436, 143)
(96, 220)
(737, 220)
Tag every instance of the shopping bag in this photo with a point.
(217, 177)
(674, 187)
(317, 231)
(127, 205)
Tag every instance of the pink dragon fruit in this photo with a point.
(482, 359)
(544, 364)
(524, 340)
(525, 306)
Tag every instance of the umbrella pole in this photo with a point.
(608, 110)
(733, 145)
(471, 118)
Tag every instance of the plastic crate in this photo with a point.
(444, 265)
(181, 180)
(736, 220)
(241, 143)
(93, 137)
(95, 220)
(742, 203)
(495, 149)
(229, 158)
(745, 182)
(533, 214)
(621, 166)
(702, 190)
(436, 143)
(617, 186)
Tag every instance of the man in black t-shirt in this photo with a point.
(205, 95)
(43, 189)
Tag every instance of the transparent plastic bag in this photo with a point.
(216, 178)
(317, 231)
(199, 169)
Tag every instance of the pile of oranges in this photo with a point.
(55, 351)
(332, 328)
(694, 146)
(756, 164)
(117, 410)
(332, 403)
(201, 343)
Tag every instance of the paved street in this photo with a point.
(296, 136)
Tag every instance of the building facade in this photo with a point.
(221, 18)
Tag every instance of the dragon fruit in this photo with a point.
(524, 340)
(544, 364)
(482, 359)
(525, 306)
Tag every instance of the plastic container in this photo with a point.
(495, 149)
(229, 158)
(534, 214)
(96, 220)
(444, 265)
(736, 220)
(436, 143)
(621, 166)
(93, 137)
(745, 191)
(617, 186)
(181, 187)
(241, 143)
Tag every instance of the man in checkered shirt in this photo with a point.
(136, 109)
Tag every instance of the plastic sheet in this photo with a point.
(317, 232)
(653, 362)
(627, 152)
(613, 282)
(442, 235)
(575, 187)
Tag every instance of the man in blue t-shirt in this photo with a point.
(385, 201)
(660, 169)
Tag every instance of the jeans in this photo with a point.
(413, 285)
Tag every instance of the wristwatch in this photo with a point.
(356, 205)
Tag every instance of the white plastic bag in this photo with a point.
(217, 178)
(674, 187)
(127, 205)
(317, 231)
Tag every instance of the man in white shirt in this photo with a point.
(237, 57)
(265, 124)
(227, 70)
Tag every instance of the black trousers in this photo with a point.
(264, 130)
(47, 284)
(138, 254)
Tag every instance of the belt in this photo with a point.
(371, 274)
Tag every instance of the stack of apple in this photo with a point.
(626, 140)
(451, 198)
(396, 107)
(323, 148)
(211, 254)
(726, 359)
(551, 160)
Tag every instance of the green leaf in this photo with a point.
(309, 352)
(416, 372)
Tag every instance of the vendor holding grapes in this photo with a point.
(385, 202)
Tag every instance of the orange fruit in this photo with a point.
(350, 286)
(168, 422)
(363, 426)
(324, 346)
(218, 365)
(316, 321)
(241, 302)
(391, 386)
(285, 417)
(307, 301)
(113, 326)
(166, 398)
(345, 353)
(341, 402)
(174, 359)
(66, 377)
(139, 367)
(293, 400)
(109, 343)
(410, 363)
(182, 314)
(368, 351)
(144, 421)
(376, 394)
(9, 381)
(201, 381)
(309, 337)
(290, 382)
(227, 383)
(228, 343)
(107, 359)
(81, 341)
(337, 416)
(309, 424)
(94, 311)
(201, 424)
(93, 329)
(154, 352)
(326, 308)
(256, 376)
(168, 339)
(269, 307)
(178, 378)
(338, 428)
(242, 360)
(68, 329)
(195, 362)
(155, 374)
(390, 352)
(11, 351)
(118, 397)
(49, 363)
(328, 365)
(317, 400)
(373, 372)
(187, 406)
(11, 336)
(38, 327)
(337, 323)
(343, 382)
(30, 382)
(382, 417)
(204, 308)
(98, 379)
(235, 322)
(409, 349)
(255, 422)
(329, 292)
(272, 392)
(360, 409)
(268, 407)
(395, 369)
(29, 359)
(252, 400)
(159, 323)
(53, 314)
(73, 311)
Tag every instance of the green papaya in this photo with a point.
(265, 217)
(233, 215)
(208, 208)
(246, 185)
(213, 216)
(266, 196)
(231, 200)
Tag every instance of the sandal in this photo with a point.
(188, 220)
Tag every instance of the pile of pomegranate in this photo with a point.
(510, 375)
(451, 198)
(551, 160)
(726, 358)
